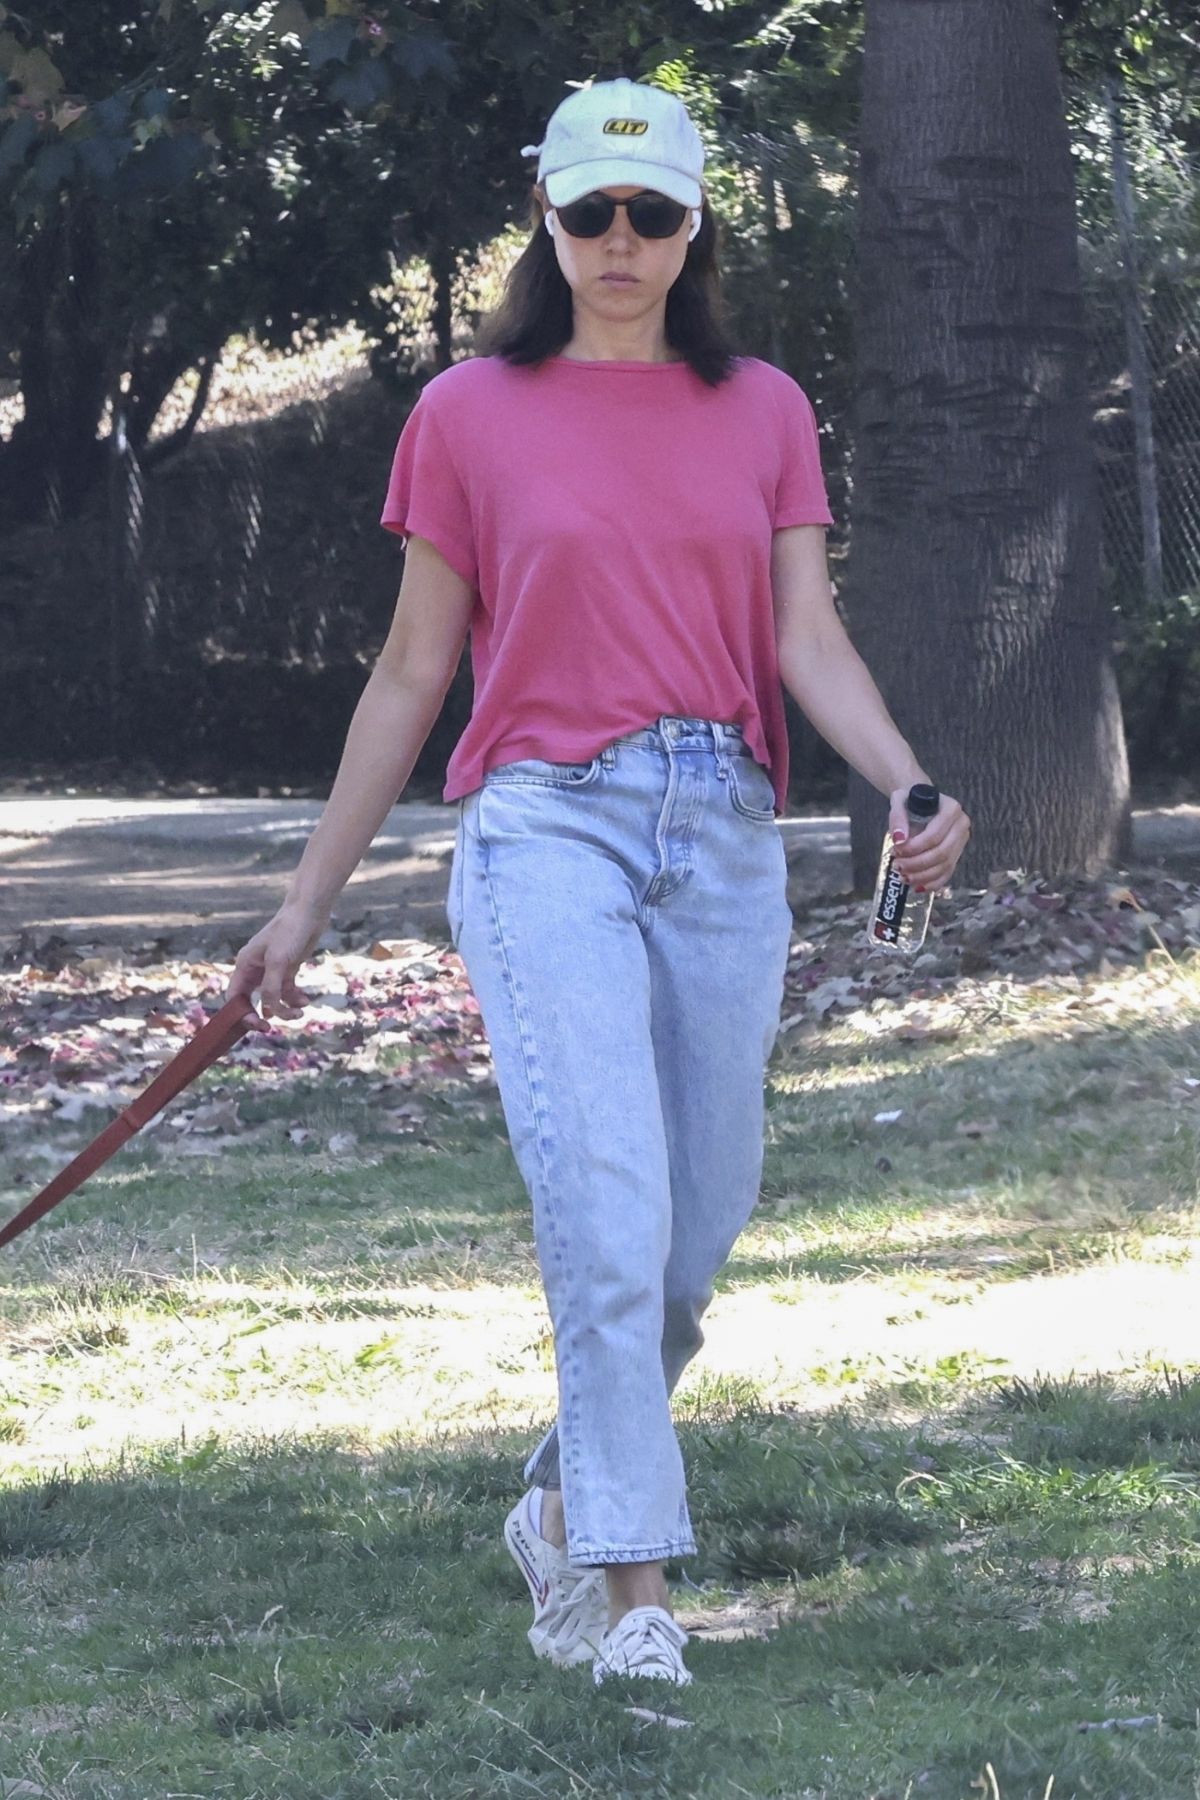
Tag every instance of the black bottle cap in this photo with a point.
(923, 801)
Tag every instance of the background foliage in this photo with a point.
(186, 180)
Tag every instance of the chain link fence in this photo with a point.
(1141, 278)
(1165, 503)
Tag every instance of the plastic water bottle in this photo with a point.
(899, 915)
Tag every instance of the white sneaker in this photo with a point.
(646, 1641)
(570, 1604)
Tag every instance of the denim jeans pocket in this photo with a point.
(751, 789)
(534, 771)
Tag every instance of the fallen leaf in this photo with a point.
(831, 993)
(71, 1107)
(1137, 1724)
(220, 1115)
(653, 1718)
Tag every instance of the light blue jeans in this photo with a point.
(625, 928)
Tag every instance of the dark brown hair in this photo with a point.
(534, 318)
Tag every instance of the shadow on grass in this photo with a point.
(937, 1599)
(1034, 1119)
(1099, 1104)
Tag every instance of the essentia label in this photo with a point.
(885, 927)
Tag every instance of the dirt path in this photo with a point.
(176, 876)
(91, 886)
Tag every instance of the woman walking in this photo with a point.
(629, 518)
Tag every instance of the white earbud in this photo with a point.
(548, 222)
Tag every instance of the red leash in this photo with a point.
(222, 1031)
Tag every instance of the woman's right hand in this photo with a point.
(271, 958)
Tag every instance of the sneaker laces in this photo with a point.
(653, 1639)
(570, 1586)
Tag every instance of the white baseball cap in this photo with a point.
(617, 134)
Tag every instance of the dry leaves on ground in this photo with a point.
(79, 1042)
(82, 1031)
(1019, 931)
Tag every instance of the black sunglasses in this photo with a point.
(651, 215)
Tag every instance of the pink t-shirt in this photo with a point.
(615, 521)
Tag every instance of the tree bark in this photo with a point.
(54, 457)
(972, 587)
(164, 448)
(441, 269)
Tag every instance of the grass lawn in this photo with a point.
(264, 1401)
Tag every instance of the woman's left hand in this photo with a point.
(930, 856)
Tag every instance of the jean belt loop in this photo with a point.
(608, 756)
(721, 741)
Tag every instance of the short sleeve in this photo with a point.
(426, 497)
(800, 497)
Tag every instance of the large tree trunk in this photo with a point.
(441, 268)
(972, 585)
(54, 457)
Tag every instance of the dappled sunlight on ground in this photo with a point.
(423, 1361)
(815, 1345)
